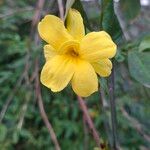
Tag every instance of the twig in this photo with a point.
(18, 11)
(104, 104)
(37, 15)
(113, 111)
(35, 20)
(61, 9)
(135, 123)
(89, 121)
(23, 111)
(42, 111)
(25, 76)
(10, 97)
(103, 112)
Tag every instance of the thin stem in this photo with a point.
(10, 97)
(61, 9)
(103, 112)
(38, 9)
(23, 111)
(34, 36)
(113, 111)
(101, 16)
(136, 125)
(89, 121)
(42, 110)
(47, 123)
(18, 11)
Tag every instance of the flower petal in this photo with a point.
(84, 81)
(53, 31)
(97, 45)
(57, 72)
(75, 24)
(103, 67)
(49, 52)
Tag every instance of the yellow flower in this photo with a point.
(71, 56)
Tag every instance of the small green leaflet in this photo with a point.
(139, 66)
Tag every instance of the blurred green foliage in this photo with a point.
(21, 127)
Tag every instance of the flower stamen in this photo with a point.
(73, 53)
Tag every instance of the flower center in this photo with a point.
(73, 53)
(71, 49)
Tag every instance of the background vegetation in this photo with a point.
(21, 59)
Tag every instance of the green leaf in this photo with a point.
(139, 67)
(78, 5)
(109, 21)
(145, 44)
(15, 137)
(3, 132)
(97, 148)
(69, 4)
(130, 8)
(4, 75)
